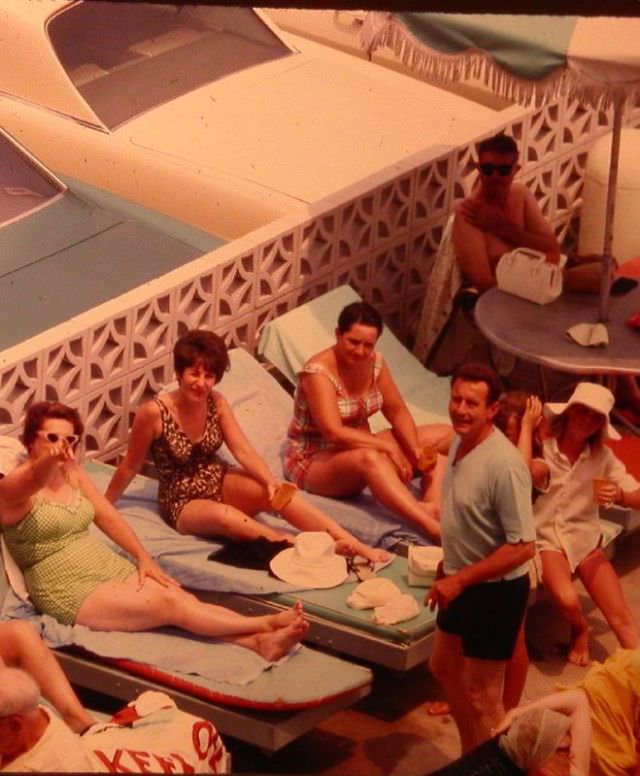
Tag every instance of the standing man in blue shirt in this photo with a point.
(488, 538)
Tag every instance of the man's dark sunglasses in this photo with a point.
(501, 169)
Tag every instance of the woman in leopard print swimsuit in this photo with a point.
(198, 492)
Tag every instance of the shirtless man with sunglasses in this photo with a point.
(501, 215)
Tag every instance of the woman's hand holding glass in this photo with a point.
(606, 493)
(280, 494)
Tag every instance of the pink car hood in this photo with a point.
(305, 127)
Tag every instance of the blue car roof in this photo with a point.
(75, 254)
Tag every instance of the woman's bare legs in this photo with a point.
(556, 576)
(243, 497)
(21, 647)
(347, 472)
(125, 606)
(432, 485)
(205, 517)
(603, 585)
(245, 493)
(437, 435)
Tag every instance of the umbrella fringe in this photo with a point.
(381, 29)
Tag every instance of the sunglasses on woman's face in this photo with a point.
(51, 436)
(488, 168)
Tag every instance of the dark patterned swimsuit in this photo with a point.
(187, 470)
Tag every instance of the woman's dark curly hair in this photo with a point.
(43, 410)
(201, 346)
(359, 312)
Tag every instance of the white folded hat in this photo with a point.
(404, 607)
(390, 605)
(377, 591)
(311, 562)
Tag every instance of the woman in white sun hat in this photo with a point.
(583, 474)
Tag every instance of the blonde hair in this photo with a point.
(557, 424)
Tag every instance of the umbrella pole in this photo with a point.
(607, 260)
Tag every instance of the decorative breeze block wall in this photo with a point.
(380, 236)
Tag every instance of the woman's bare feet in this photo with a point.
(282, 619)
(276, 644)
(579, 647)
(351, 548)
(374, 554)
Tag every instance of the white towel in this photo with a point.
(405, 607)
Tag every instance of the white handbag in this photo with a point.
(526, 273)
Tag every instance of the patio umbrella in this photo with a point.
(525, 58)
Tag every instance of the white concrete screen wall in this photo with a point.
(379, 235)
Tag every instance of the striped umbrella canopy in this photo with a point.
(526, 58)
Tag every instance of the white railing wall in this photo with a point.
(379, 235)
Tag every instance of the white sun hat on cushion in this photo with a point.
(591, 395)
(311, 562)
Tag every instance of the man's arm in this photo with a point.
(500, 562)
(512, 501)
(471, 253)
(475, 219)
(21, 647)
(497, 564)
(536, 231)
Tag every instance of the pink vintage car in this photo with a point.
(211, 114)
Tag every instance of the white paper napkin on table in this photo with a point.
(589, 335)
